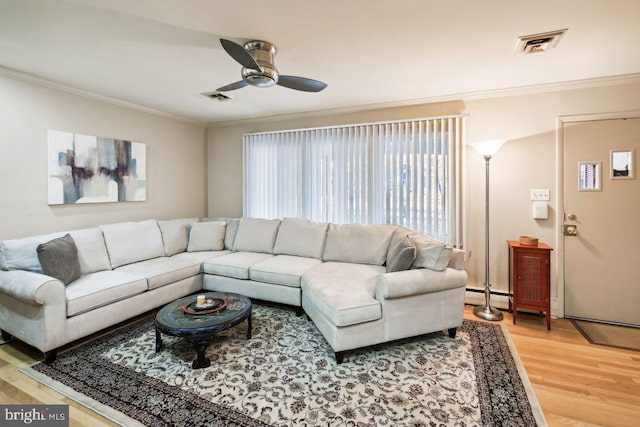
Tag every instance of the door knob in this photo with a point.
(572, 217)
(570, 230)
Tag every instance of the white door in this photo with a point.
(602, 261)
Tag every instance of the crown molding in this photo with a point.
(466, 96)
(555, 87)
(30, 78)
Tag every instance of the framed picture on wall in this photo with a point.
(92, 169)
(590, 176)
(622, 166)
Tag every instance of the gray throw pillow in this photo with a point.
(59, 259)
(402, 256)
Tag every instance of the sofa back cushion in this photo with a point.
(256, 235)
(431, 253)
(207, 236)
(231, 231)
(301, 237)
(92, 252)
(129, 242)
(358, 243)
(20, 254)
(175, 234)
(457, 259)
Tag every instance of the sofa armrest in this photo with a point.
(419, 281)
(34, 288)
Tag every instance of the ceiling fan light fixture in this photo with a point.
(259, 69)
(265, 77)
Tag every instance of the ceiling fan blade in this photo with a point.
(238, 53)
(232, 86)
(301, 83)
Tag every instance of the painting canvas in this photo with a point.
(91, 169)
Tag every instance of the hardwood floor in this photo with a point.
(576, 383)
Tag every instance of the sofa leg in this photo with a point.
(299, 311)
(452, 332)
(50, 356)
(6, 337)
(339, 357)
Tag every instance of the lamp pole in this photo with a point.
(486, 311)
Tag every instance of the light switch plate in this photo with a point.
(540, 194)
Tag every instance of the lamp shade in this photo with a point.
(487, 147)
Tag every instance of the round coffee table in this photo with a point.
(180, 319)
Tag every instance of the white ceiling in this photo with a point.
(162, 54)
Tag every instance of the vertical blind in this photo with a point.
(401, 172)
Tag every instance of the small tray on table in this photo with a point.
(212, 305)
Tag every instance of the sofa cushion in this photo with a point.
(457, 259)
(402, 256)
(301, 237)
(175, 234)
(358, 243)
(20, 254)
(200, 256)
(129, 242)
(235, 265)
(432, 253)
(164, 270)
(344, 293)
(284, 270)
(398, 234)
(207, 236)
(232, 229)
(92, 252)
(101, 288)
(59, 259)
(256, 235)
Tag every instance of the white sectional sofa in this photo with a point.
(336, 273)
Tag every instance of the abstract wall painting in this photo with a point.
(91, 169)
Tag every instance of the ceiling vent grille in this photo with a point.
(541, 42)
(218, 96)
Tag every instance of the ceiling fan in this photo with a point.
(258, 68)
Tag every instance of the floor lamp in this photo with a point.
(487, 148)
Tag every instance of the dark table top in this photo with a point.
(173, 318)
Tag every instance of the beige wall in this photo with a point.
(528, 160)
(176, 152)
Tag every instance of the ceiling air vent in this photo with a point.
(539, 42)
(217, 95)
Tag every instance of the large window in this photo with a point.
(405, 173)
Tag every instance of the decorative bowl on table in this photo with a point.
(528, 240)
(211, 305)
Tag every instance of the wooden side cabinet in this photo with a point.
(530, 278)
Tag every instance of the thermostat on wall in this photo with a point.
(540, 210)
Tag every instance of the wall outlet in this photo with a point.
(540, 194)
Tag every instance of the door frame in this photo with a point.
(561, 121)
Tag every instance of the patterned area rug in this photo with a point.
(286, 375)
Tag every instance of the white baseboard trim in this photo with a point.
(502, 302)
(477, 298)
